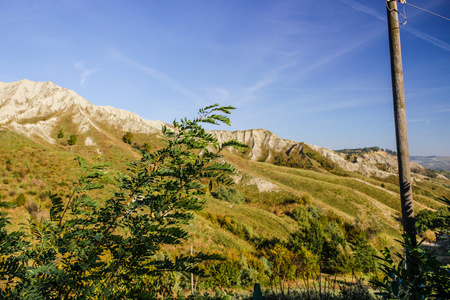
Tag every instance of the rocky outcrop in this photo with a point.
(33, 107)
(262, 142)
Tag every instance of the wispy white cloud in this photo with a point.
(157, 75)
(217, 94)
(270, 77)
(339, 105)
(335, 55)
(279, 73)
(428, 38)
(419, 120)
(84, 72)
(421, 35)
(365, 9)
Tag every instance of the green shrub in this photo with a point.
(433, 220)
(301, 215)
(60, 134)
(282, 259)
(426, 277)
(229, 194)
(20, 199)
(340, 247)
(33, 207)
(242, 270)
(72, 139)
(128, 138)
(307, 263)
(364, 254)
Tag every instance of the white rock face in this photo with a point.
(41, 129)
(260, 139)
(257, 139)
(35, 108)
(89, 142)
(24, 100)
(362, 165)
(263, 185)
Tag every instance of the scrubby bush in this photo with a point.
(33, 207)
(301, 215)
(340, 247)
(237, 270)
(229, 194)
(433, 220)
(72, 139)
(60, 134)
(307, 263)
(128, 138)
(20, 199)
(294, 159)
(425, 278)
(283, 267)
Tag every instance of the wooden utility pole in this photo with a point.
(401, 134)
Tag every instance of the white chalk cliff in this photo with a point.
(34, 109)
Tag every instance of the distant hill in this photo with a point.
(433, 162)
(275, 175)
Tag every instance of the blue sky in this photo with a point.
(312, 71)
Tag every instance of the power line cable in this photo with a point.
(428, 11)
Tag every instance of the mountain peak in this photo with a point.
(29, 99)
(28, 104)
(43, 108)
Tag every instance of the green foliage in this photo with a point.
(366, 223)
(340, 248)
(390, 151)
(72, 139)
(283, 267)
(229, 194)
(243, 270)
(324, 162)
(361, 150)
(146, 147)
(363, 254)
(11, 266)
(128, 138)
(60, 134)
(445, 173)
(238, 228)
(428, 279)
(96, 248)
(306, 262)
(438, 220)
(304, 158)
(293, 160)
(20, 199)
(218, 295)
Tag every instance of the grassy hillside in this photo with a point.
(266, 207)
(32, 169)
